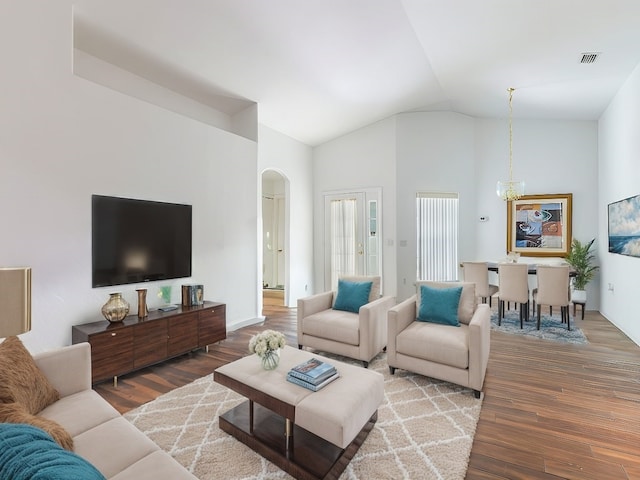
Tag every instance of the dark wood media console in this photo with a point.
(134, 343)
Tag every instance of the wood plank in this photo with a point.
(573, 406)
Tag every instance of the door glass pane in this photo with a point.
(373, 261)
(352, 235)
(343, 239)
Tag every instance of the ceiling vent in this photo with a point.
(590, 57)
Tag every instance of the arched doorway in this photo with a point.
(275, 238)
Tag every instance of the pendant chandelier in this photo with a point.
(511, 189)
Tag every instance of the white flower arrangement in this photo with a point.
(266, 341)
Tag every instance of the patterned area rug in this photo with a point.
(551, 327)
(425, 430)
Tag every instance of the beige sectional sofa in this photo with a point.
(100, 434)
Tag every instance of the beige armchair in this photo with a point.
(359, 335)
(456, 354)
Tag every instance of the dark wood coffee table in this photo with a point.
(266, 421)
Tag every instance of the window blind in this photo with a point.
(437, 236)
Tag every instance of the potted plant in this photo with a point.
(581, 258)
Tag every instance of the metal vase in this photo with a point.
(116, 308)
(143, 311)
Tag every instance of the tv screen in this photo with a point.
(138, 240)
(624, 226)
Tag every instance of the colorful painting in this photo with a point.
(624, 227)
(539, 225)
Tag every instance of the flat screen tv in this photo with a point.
(624, 226)
(137, 241)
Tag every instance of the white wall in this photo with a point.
(552, 157)
(619, 171)
(63, 138)
(362, 159)
(293, 160)
(445, 151)
(435, 154)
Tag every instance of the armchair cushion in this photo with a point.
(336, 325)
(436, 343)
(352, 295)
(439, 305)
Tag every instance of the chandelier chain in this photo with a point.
(511, 90)
(510, 190)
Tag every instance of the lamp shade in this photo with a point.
(15, 301)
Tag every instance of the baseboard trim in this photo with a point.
(245, 323)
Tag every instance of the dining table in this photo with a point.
(533, 268)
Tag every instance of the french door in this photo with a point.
(352, 235)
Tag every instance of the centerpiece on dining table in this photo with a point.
(267, 345)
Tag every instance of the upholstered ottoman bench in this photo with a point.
(308, 434)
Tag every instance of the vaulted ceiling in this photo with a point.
(321, 68)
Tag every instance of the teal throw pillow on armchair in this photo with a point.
(352, 295)
(439, 305)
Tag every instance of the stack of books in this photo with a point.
(313, 374)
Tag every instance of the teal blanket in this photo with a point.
(29, 453)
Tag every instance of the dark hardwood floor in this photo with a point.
(549, 411)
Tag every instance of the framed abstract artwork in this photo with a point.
(540, 225)
(624, 226)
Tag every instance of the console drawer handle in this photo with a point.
(113, 334)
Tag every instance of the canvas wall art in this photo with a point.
(624, 227)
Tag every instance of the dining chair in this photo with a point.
(513, 286)
(478, 273)
(553, 290)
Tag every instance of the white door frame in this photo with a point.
(283, 240)
(369, 233)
